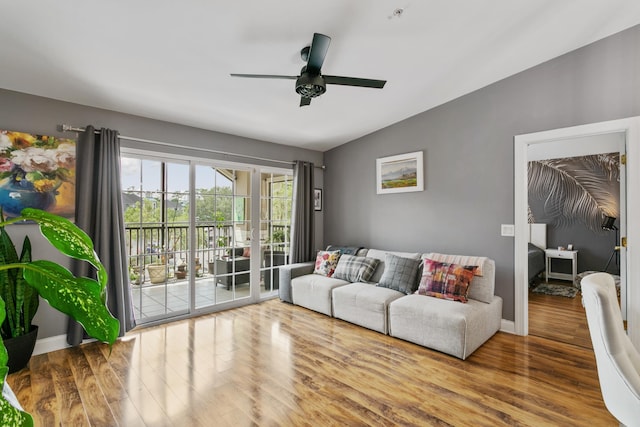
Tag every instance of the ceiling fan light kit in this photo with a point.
(311, 83)
(310, 86)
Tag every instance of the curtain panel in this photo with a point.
(99, 212)
(302, 221)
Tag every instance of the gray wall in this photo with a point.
(27, 113)
(468, 148)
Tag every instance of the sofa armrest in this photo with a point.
(289, 272)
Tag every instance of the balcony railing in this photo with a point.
(167, 247)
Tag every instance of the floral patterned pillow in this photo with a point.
(326, 262)
(446, 280)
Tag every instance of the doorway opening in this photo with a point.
(629, 129)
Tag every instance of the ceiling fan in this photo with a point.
(311, 83)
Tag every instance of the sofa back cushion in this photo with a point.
(381, 255)
(482, 288)
(347, 250)
(355, 268)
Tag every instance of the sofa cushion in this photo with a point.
(345, 250)
(355, 268)
(364, 304)
(326, 262)
(236, 252)
(456, 329)
(400, 274)
(446, 280)
(313, 291)
(380, 255)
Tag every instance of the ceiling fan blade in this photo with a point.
(354, 81)
(304, 101)
(264, 76)
(317, 53)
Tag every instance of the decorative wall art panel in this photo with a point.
(37, 171)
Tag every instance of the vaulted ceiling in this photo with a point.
(171, 60)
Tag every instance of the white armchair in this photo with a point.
(617, 359)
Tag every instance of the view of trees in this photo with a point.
(158, 221)
(212, 205)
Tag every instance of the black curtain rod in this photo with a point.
(69, 128)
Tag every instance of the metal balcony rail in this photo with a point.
(168, 245)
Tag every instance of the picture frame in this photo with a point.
(317, 199)
(400, 173)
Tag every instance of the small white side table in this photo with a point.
(568, 255)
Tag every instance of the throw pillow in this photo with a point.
(246, 252)
(446, 280)
(355, 268)
(400, 274)
(326, 262)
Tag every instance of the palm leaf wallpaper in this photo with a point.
(575, 189)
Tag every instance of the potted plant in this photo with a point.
(181, 270)
(136, 274)
(82, 298)
(157, 272)
(21, 304)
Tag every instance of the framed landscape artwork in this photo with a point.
(37, 171)
(399, 174)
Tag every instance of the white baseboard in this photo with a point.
(45, 345)
(508, 326)
(58, 342)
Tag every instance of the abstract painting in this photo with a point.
(37, 171)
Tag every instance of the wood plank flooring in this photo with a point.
(274, 364)
(559, 318)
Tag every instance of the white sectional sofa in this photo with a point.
(451, 327)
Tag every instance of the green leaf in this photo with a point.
(68, 239)
(9, 415)
(78, 297)
(4, 357)
(12, 416)
(30, 294)
(8, 255)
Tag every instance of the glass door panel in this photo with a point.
(222, 218)
(152, 196)
(276, 196)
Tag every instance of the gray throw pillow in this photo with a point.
(400, 274)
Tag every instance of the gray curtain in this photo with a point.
(302, 222)
(99, 213)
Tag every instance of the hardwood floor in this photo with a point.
(274, 364)
(559, 318)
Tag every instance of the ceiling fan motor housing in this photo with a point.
(310, 86)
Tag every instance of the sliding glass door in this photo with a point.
(192, 239)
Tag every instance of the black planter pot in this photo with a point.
(20, 349)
